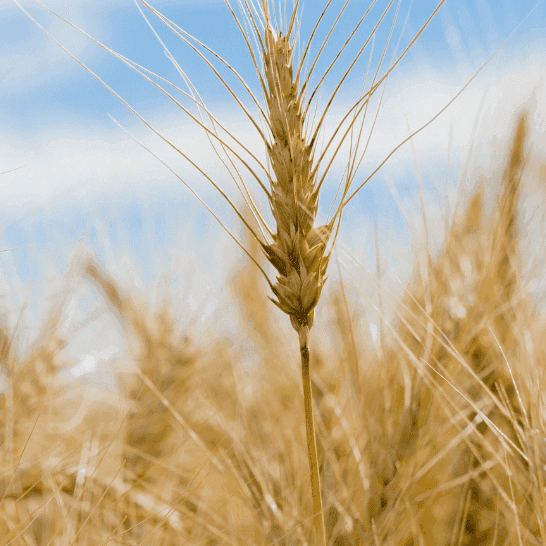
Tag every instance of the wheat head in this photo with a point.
(298, 250)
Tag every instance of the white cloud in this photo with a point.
(66, 160)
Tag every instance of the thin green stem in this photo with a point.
(316, 491)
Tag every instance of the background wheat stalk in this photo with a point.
(298, 249)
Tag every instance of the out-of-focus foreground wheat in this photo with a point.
(440, 440)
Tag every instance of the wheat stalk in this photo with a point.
(297, 248)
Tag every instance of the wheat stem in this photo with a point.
(316, 491)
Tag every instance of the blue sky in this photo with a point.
(86, 185)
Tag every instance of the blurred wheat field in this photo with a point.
(433, 436)
(428, 405)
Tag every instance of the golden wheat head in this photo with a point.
(298, 253)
